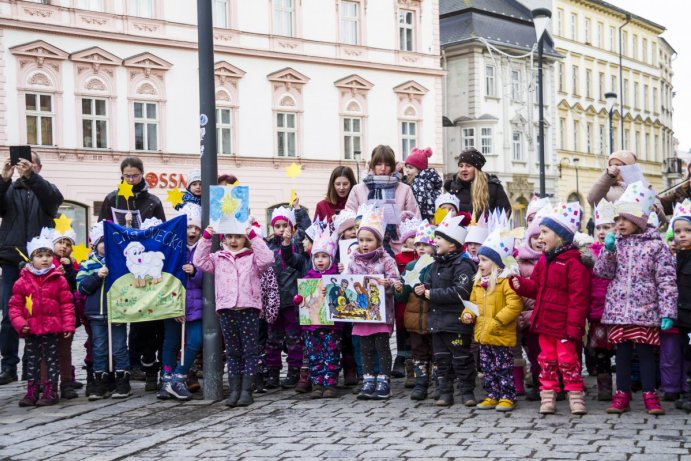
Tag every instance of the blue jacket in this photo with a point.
(92, 286)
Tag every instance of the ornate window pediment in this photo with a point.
(288, 77)
(40, 51)
(147, 61)
(354, 83)
(411, 88)
(96, 56)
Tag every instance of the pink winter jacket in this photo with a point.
(237, 277)
(598, 289)
(643, 287)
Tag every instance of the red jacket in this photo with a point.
(561, 289)
(52, 304)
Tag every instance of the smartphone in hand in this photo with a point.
(19, 152)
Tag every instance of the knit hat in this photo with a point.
(418, 158)
(563, 220)
(324, 242)
(534, 227)
(478, 232)
(69, 234)
(498, 247)
(96, 233)
(636, 204)
(447, 198)
(604, 213)
(472, 157)
(43, 241)
(193, 176)
(343, 221)
(681, 211)
(284, 213)
(372, 220)
(193, 213)
(454, 228)
(425, 233)
(624, 156)
(535, 205)
(316, 227)
(408, 228)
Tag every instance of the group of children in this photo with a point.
(486, 293)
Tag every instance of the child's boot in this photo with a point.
(548, 402)
(421, 381)
(291, 379)
(533, 395)
(151, 381)
(304, 385)
(383, 389)
(89, 381)
(398, 370)
(67, 391)
(50, 395)
(235, 384)
(246, 391)
(577, 403)
(272, 378)
(98, 390)
(330, 392)
(349, 371)
(163, 393)
(518, 376)
(32, 393)
(620, 403)
(317, 392)
(259, 383)
(193, 382)
(369, 384)
(445, 387)
(435, 383)
(75, 384)
(604, 387)
(178, 388)
(652, 403)
(122, 385)
(409, 374)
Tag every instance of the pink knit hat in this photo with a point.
(418, 158)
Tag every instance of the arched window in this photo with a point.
(410, 115)
(79, 214)
(353, 91)
(518, 213)
(287, 86)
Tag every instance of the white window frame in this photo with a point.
(491, 81)
(634, 46)
(284, 17)
(92, 5)
(636, 95)
(588, 27)
(408, 140)
(284, 133)
(574, 26)
(517, 146)
(143, 8)
(561, 77)
(348, 22)
(516, 85)
(40, 116)
(406, 30)
(146, 122)
(644, 50)
(625, 95)
(486, 141)
(574, 80)
(221, 10)
(601, 86)
(576, 128)
(350, 135)
(589, 137)
(562, 133)
(603, 139)
(627, 140)
(600, 34)
(93, 120)
(222, 128)
(468, 136)
(637, 143)
(588, 83)
(612, 41)
(624, 42)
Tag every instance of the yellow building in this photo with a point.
(590, 35)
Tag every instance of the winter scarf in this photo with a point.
(39, 272)
(550, 255)
(426, 188)
(189, 197)
(381, 187)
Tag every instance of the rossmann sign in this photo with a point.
(166, 180)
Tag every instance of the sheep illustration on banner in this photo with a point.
(145, 277)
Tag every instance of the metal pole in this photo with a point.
(611, 134)
(540, 103)
(213, 368)
(578, 192)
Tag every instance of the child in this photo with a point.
(41, 309)
(344, 225)
(371, 258)
(681, 224)
(90, 281)
(448, 202)
(449, 283)
(598, 346)
(477, 234)
(237, 270)
(536, 204)
(416, 312)
(425, 182)
(174, 376)
(193, 194)
(560, 285)
(495, 328)
(642, 295)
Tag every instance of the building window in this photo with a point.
(490, 83)
(94, 123)
(644, 49)
(653, 53)
(600, 34)
(143, 8)
(634, 46)
(561, 76)
(603, 140)
(406, 30)
(408, 137)
(39, 119)
(601, 86)
(516, 85)
(638, 144)
(614, 83)
(646, 147)
(562, 133)
(587, 31)
(220, 13)
(284, 12)
(468, 138)
(624, 42)
(588, 83)
(560, 22)
(576, 130)
(350, 23)
(589, 137)
(287, 133)
(352, 136)
(574, 80)
(224, 130)
(625, 96)
(486, 141)
(655, 147)
(655, 100)
(612, 39)
(145, 126)
(636, 95)
(627, 135)
(574, 26)
(517, 146)
(93, 5)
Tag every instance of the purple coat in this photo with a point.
(643, 288)
(194, 302)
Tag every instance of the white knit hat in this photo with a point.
(343, 221)
(604, 213)
(193, 176)
(193, 213)
(96, 233)
(284, 213)
(453, 228)
(449, 199)
(43, 241)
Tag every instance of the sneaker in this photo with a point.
(122, 385)
(330, 393)
(487, 404)
(163, 394)
(177, 388)
(620, 403)
(369, 384)
(468, 399)
(317, 392)
(505, 405)
(99, 388)
(548, 402)
(383, 389)
(652, 404)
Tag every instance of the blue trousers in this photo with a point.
(172, 339)
(99, 345)
(9, 339)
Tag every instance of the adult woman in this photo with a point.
(677, 195)
(341, 182)
(227, 180)
(478, 192)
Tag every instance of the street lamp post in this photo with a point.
(541, 18)
(575, 165)
(357, 155)
(610, 101)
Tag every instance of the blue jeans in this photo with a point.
(9, 339)
(99, 345)
(172, 339)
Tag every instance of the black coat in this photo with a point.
(462, 190)
(449, 282)
(26, 206)
(148, 204)
(684, 286)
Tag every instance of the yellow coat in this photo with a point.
(496, 324)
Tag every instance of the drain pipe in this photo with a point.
(621, 82)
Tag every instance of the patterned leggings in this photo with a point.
(37, 347)
(379, 343)
(497, 364)
(323, 351)
(240, 331)
(285, 331)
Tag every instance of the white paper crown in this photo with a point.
(150, 222)
(96, 232)
(193, 213)
(44, 240)
(372, 219)
(343, 221)
(567, 215)
(604, 213)
(654, 220)
(478, 232)
(681, 210)
(408, 228)
(447, 198)
(69, 234)
(425, 233)
(314, 229)
(536, 204)
(324, 242)
(637, 200)
(285, 213)
(453, 228)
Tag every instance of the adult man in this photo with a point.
(27, 204)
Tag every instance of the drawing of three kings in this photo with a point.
(346, 304)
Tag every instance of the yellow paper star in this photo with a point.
(80, 252)
(294, 170)
(293, 196)
(228, 204)
(29, 304)
(439, 215)
(63, 224)
(174, 197)
(125, 190)
(236, 183)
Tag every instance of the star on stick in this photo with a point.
(439, 215)
(174, 197)
(125, 190)
(294, 170)
(80, 252)
(63, 224)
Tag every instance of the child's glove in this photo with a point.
(610, 242)
(666, 323)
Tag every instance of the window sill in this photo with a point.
(493, 98)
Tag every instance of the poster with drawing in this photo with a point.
(355, 298)
(312, 309)
(229, 209)
(345, 248)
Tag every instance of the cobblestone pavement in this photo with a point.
(282, 425)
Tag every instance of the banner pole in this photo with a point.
(182, 344)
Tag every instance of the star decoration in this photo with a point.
(439, 215)
(174, 197)
(412, 277)
(236, 183)
(80, 252)
(293, 196)
(294, 170)
(63, 224)
(29, 304)
(125, 190)
(228, 204)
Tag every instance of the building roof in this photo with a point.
(505, 23)
(666, 43)
(609, 6)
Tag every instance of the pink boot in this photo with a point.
(652, 404)
(518, 376)
(620, 403)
